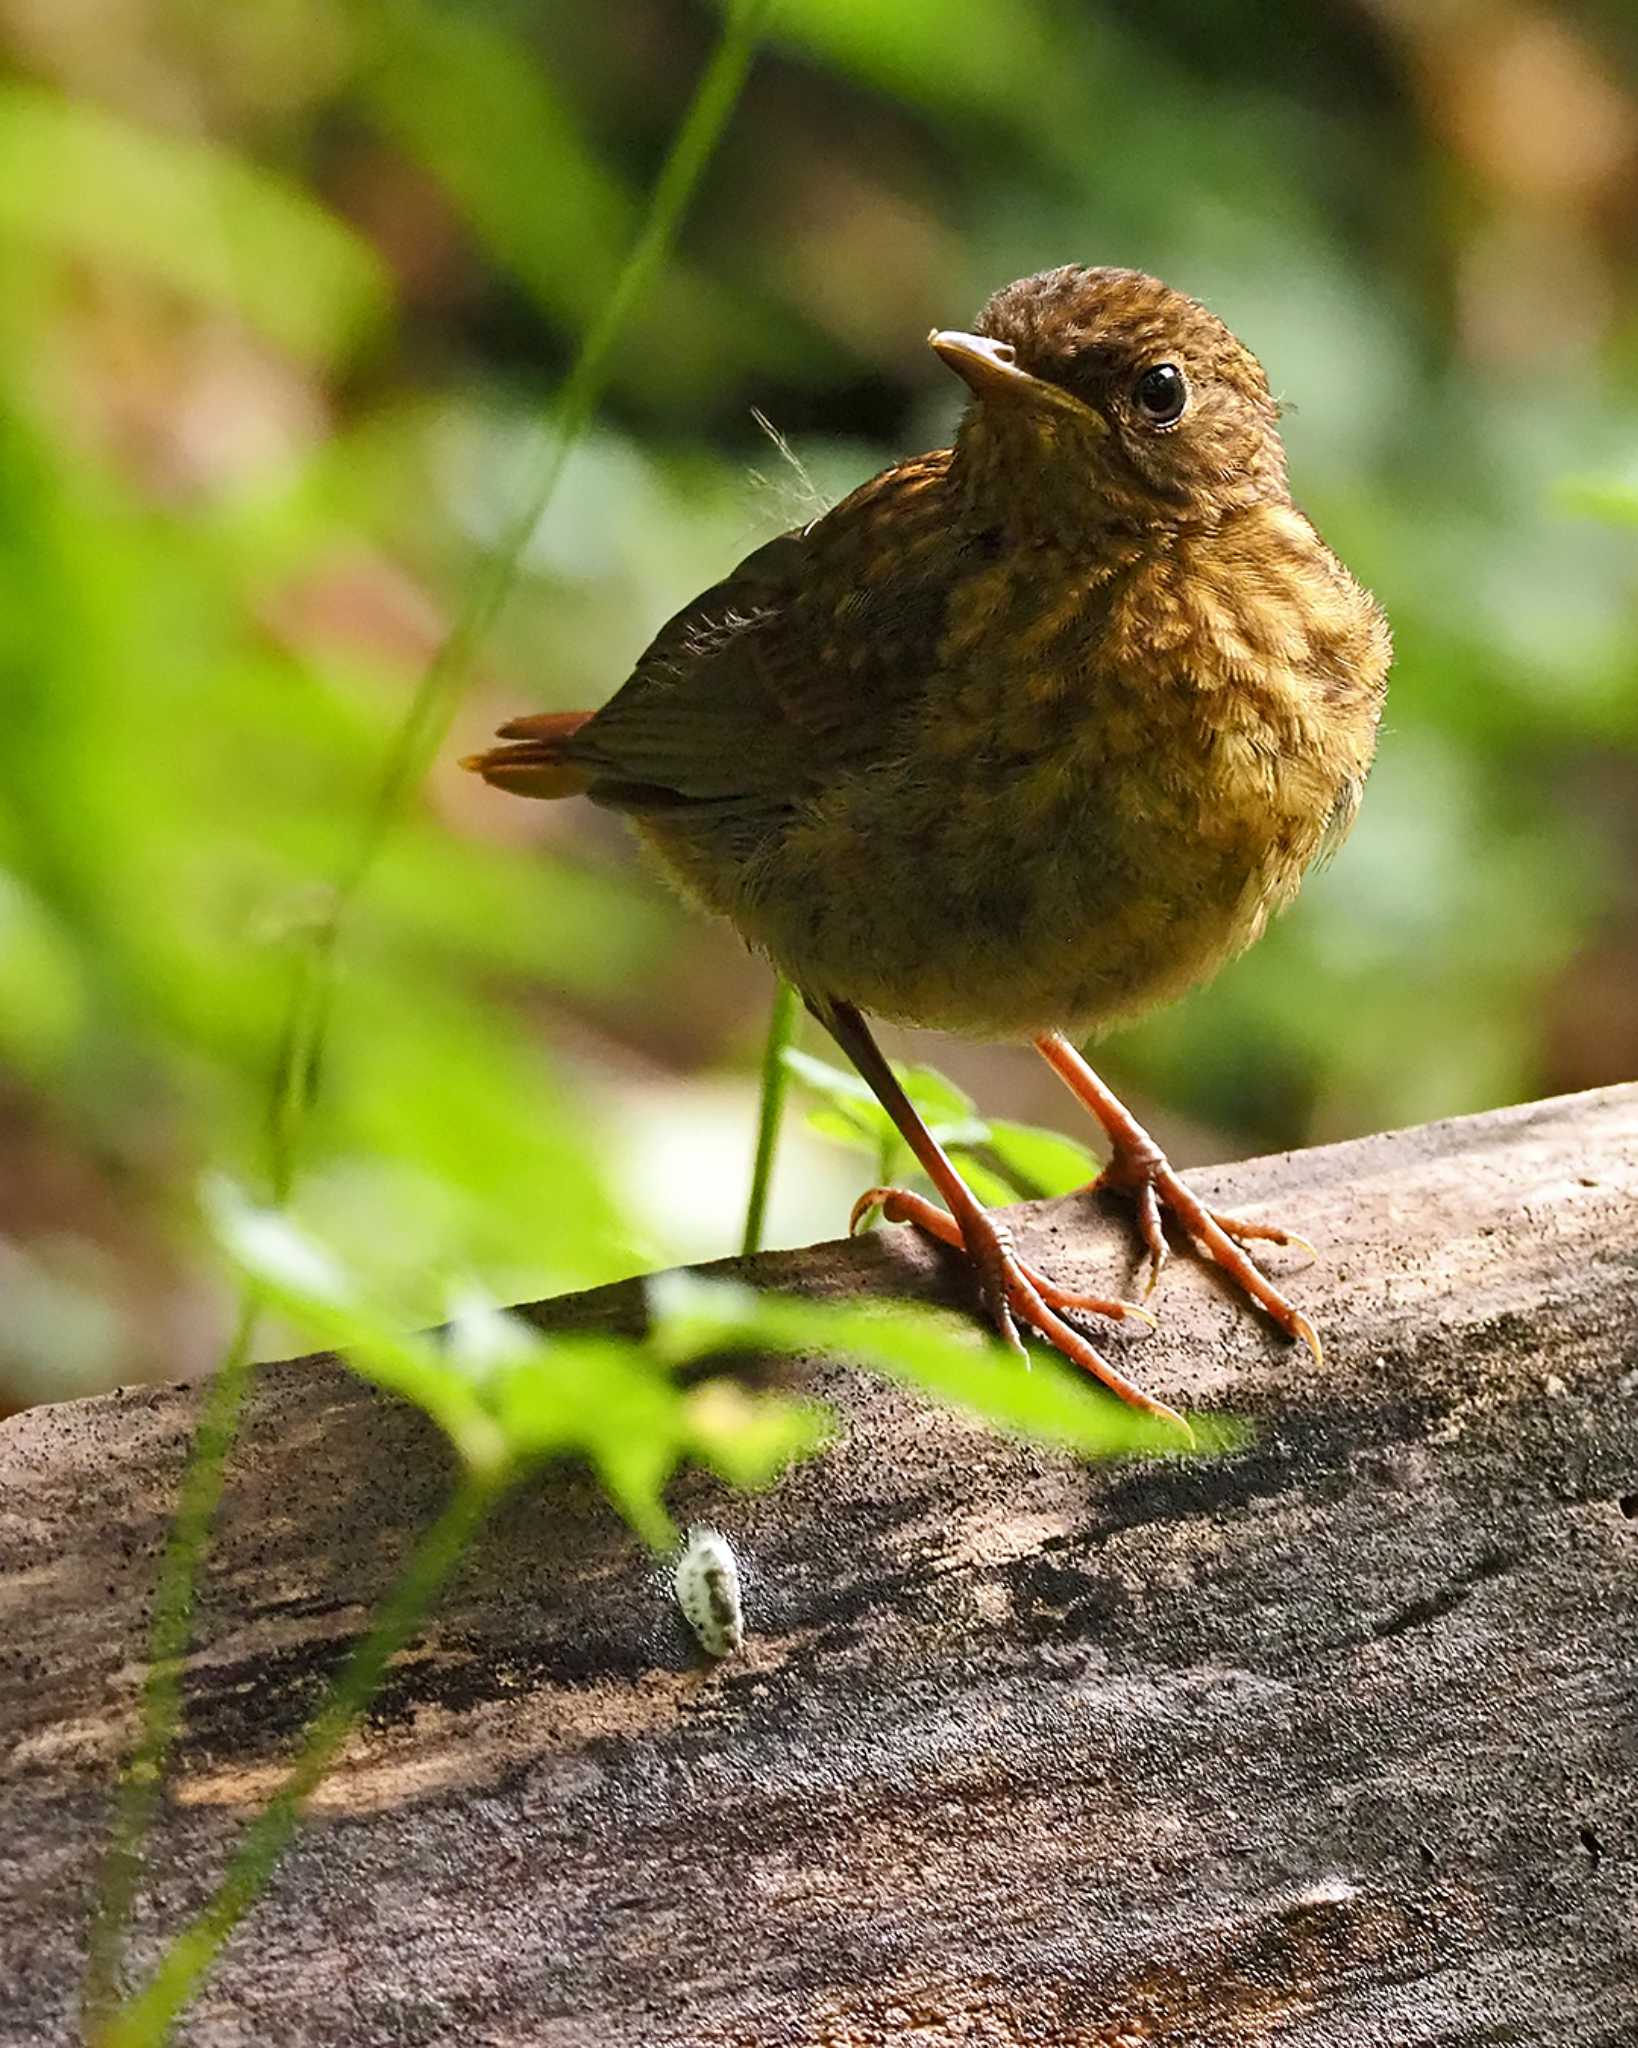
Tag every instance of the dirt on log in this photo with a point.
(1332, 1743)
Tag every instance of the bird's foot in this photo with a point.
(1142, 1171)
(1014, 1292)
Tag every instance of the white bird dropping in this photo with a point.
(707, 1584)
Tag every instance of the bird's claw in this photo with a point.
(1147, 1176)
(1014, 1292)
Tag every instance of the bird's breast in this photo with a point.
(1210, 692)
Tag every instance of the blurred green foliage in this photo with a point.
(285, 293)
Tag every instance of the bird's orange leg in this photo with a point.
(1139, 1168)
(1012, 1291)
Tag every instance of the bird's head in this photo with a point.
(1104, 398)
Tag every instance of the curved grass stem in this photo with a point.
(172, 1623)
(147, 2017)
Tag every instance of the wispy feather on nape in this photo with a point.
(797, 496)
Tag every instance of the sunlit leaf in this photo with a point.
(1041, 1162)
(509, 1395)
(836, 1084)
(948, 1112)
(301, 1278)
(937, 1097)
(853, 1128)
(984, 54)
(945, 1357)
(993, 1189)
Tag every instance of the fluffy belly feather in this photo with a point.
(1015, 897)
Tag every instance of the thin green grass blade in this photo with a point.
(172, 1624)
(776, 1073)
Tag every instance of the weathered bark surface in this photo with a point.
(1332, 1743)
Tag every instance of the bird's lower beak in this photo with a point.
(991, 370)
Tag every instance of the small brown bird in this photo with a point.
(1022, 738)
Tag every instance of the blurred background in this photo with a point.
(286, 292)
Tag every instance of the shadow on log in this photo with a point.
(1332, 1743)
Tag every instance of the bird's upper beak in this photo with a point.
(991, 370)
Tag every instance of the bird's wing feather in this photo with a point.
(791, 665)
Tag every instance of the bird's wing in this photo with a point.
(790, 667)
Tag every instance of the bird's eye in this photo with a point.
(1161, 394)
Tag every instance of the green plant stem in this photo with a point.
(145, 2019)
(172, 1623)
(185, 1543)
(439, 690)
(782, 1022)
(438, 693)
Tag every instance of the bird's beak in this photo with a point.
(991, 370)
(989, 367)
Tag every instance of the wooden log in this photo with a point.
(1333, 1741)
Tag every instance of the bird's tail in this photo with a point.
(536, 762)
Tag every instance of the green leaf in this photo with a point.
(948, 1112)
(1042, 1162)
(471, 100)
(835, 1084)
(991, 1188)
(1027, 1160)
(508, 1395)
(937, 1097)
(750, 1439)
(851, 1129)
(942, 1356)
(42, 997)
(300, 1277)
(985, 54)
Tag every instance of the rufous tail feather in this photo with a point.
(534, 763)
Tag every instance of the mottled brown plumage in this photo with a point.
(1026, 735)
